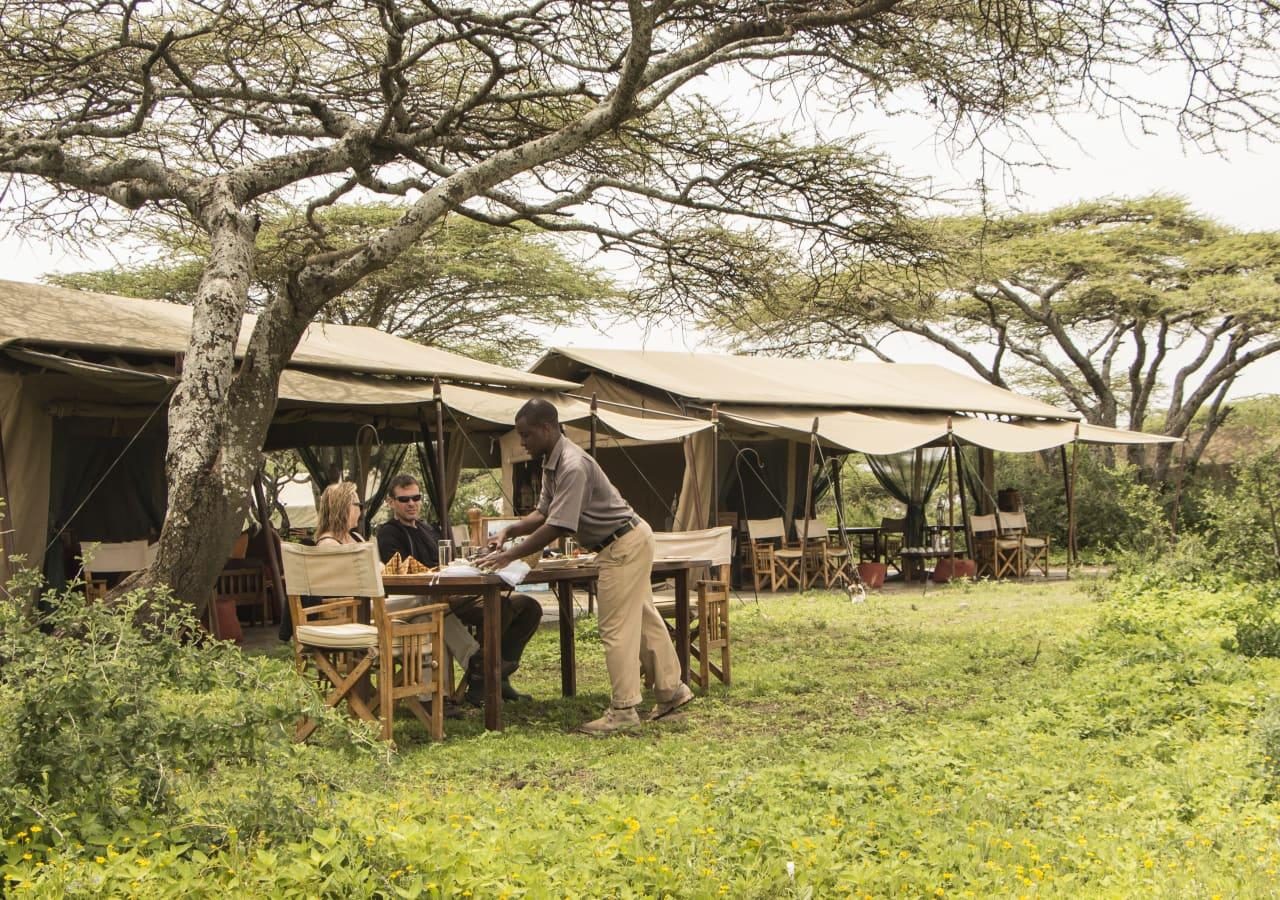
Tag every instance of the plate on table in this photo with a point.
(672, 558)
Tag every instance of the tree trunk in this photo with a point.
(218, 417)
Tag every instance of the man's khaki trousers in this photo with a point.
(631, 627)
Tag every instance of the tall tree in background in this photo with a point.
(569, 115)
(1137, 313)
(467, 286)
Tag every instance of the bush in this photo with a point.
(1241, 522)
(1257, 622)
(107, 707)
(1267, 730)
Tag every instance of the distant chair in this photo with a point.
(892, 534)
(1035, 548)
(994, 554)
(827, 560)
(770, 557)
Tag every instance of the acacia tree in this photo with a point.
(467, 286)
(563, 113)
(1130, 311)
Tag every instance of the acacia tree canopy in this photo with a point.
(566, 114)
(485, 291)
(1130, 311)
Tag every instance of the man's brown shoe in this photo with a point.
(613, 721)
(664, 708)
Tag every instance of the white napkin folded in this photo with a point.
(514, 572)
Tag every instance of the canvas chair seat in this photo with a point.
(344, 636)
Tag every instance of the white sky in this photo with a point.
(1092, 156)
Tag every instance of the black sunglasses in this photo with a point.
(409, 498)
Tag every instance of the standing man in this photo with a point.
(408, 535)
(578, 497)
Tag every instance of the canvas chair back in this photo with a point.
(715, 544)
(817, 530)
(983, 525)
(767, 529)
(124, 557)
(345, 570)
(1012, 523)
(111, 558)
(893, 526)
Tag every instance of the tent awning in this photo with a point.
(40, 315)
(788, 382)
(880, 433)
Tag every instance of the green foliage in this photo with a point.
(108, 711)
(1257, 622)
(1241, 521)
(465, 286)
(1000, 741)
(1116, 512)
(1267, 730)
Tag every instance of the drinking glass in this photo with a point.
(465, 550)
(444, 553)
(570, 546)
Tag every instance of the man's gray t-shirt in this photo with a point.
(577, 495)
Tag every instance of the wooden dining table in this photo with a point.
(563, 578)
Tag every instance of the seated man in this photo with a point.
(408, 535)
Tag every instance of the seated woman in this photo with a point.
(338, 514)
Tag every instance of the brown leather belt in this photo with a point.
(625, 529)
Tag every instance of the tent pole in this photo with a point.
(808, 506)
(594, 412)
(441, 498)
(964, 504)
(269, 538)
(1072, 555)
(715, 465)
(951, 498)
(1066, 496)
(1177, 491)
(6, 523)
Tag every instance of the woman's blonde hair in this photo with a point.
(331, 511)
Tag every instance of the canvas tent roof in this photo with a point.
(826, 383)
(883, 431)
(35, 315)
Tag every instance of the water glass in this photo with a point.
(570, 546)
(464, 549)
(444, 553)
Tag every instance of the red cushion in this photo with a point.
(872, 574)
(948, 568)
(228, 622)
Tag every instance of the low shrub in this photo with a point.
(106, 709)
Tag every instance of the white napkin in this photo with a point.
(514, 572)
(459, 570)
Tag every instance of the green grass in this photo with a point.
(1013, 740)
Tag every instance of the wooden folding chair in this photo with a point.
(404, 657)
(892, 533)
(770, 556)
(709, 631)
(1035, 548)
(827, 561)
(994, 554)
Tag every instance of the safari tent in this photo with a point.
(767, 410)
